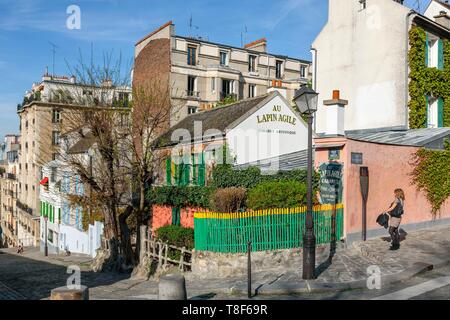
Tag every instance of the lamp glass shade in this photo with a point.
(306, 100)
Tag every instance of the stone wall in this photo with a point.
(216, 265)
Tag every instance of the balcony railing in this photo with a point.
(11, 176)
(24, 207)
(193, 94)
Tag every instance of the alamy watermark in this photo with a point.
(374, 277)
(73, 21)
(74, 280)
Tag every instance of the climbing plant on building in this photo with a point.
(425, 81)
(431, 174)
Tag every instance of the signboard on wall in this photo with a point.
(331, 182)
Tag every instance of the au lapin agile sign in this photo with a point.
(276, 116)
(330, 183)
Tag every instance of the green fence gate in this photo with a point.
(270, 229)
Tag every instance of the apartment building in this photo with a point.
(364, 50)
(8, 191)
(46, 113)
(202, 73)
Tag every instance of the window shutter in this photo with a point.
(440, 55)
(186, 174)
(440, 113)
(176, 216)
(194, 171)
(427, 48)
(168, 171)
(201, 170)
(59, 215)
(427, 107)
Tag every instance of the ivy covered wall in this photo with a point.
(426, 81)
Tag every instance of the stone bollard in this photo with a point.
(64, 293)
(172, 287)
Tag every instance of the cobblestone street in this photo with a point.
(33, 276)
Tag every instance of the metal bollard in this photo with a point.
(249, 269)
(172, 287)
(64, 293)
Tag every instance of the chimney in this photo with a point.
(73, 79)
(443, 19)
(335, 111)
(258, 45)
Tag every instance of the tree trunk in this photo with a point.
(125, 244)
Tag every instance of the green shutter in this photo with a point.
(440, 55)
(427, 48)
(186, 174)
(169, 171)
(59, 215)
(440, 113)
(194, 171)
(201, 170)
(176, 219)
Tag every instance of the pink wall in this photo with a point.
(162, 216)
(389, 168)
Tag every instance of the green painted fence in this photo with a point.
(270, 229)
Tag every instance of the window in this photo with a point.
(191, 86)
(192, 109)
(53, 174)
(363, 4)
(227, 87)
(54, 156)
(435, 112)
(251, 63)
(87, 92)
(251, 90)
(279, 69)
(434, 54)
(192, 56)
(56, 116)
(124, 120)
(50, 236)
(303, 71)
(55, 138)
(223, 58)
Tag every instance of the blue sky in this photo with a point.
(28, 27)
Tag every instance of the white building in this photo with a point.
(64, 225)
(363, 52)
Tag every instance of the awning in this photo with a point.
(44, 181)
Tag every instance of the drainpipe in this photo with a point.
(408, 21)
(314, 76)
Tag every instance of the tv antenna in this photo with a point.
(54, 46)
(191, 25)
(242, 36)
(417, 5)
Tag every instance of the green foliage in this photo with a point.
(431, 174)
(426, 81)
(224, 176)
(277, 194)
(2, 170)
(181, 196)
(228, 200)
(176, 236)
(230, 99)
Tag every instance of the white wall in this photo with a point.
(362, 54)
(254, 140)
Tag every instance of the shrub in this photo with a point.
(181, 196)
(228, 200)
(277, 194)
(176, 236)
(224, 176)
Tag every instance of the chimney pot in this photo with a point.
(336, 94)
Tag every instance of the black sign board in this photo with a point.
(331, 183)
(357, 158)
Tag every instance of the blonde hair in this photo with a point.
(399, 193)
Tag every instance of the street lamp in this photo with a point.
(46, 237)
(306, 100)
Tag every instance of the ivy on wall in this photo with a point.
(426, 81)
(431, 174)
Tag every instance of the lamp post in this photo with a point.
(306, 100)
(46, 237)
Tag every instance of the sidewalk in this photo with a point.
(420, 251)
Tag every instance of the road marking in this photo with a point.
(416, 290)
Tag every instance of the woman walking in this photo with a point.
(395, 212)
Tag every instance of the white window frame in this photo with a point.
(432, 112)
(250, 86)
(227, 55)
(255, 64)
